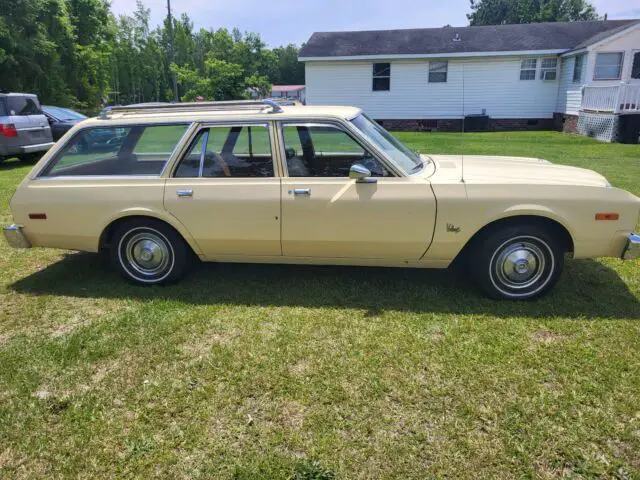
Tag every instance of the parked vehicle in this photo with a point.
(259, 182)
(61, 119)
(24, 130)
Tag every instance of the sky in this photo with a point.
(280, 22)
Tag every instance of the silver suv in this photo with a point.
(24, 130)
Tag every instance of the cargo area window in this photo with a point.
(124, 150)
(381, 77)
(242, 151)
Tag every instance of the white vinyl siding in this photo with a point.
(491, 84)
(569, 92)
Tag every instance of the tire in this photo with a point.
(516, 262)
(149, 252)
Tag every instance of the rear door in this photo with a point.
(226, 191)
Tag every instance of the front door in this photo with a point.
(325, 214)
(225, 191)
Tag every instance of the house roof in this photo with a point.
(561, 36)
(287, 88)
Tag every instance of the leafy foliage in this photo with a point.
(77, 53)
(498, 12)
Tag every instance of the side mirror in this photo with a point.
(361, 174)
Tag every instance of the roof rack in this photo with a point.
(267, 106)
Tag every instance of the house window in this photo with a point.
(608, 66)
(578, 66)
(528, 69)
(635, 69)
(381, 77)
(549, 69)
(438, 72)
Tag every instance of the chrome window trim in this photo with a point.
(202, 125)
(38, 175)
(351, 131)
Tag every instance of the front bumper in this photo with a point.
(15, 238)
(632, 248)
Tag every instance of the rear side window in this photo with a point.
(22, 105)
(242, 151)
(130, 150)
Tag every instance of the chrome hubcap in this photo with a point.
(520, 265)
(147, 253)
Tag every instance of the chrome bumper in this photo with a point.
(15, 237)
(632, 248)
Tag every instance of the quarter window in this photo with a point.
(325, 151)
(126, 150)
(22, 105)
(578, 67)
(549, 69)
(608, 66)
(381, 77)
(438, 72)
(528, 69)
(242, 151)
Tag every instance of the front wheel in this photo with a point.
(519, 262)
(149, 252)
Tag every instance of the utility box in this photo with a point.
(629, 128)
(476, 123)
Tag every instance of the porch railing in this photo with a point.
(623, 98)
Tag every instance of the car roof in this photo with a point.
(288, 112)
(17, 94)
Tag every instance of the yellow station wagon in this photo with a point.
(256, 181)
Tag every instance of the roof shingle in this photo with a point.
(492, 38)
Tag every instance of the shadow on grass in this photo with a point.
(587, 289)
(13, 163)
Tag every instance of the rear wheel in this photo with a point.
(149, 252)
(517, 262)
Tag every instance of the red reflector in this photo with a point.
(38, 216)
(8, 130)
(607, 216)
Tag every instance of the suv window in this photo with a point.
(130, 150)
(242, 151)
(22, 105)
(325, 151)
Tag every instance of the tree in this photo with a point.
(498, 12)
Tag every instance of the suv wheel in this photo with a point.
(519, 262)
(149, 252)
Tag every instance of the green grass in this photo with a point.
(276, 372)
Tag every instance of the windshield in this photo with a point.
(63, 114)
(406, 159)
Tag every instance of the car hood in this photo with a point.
(481, 169)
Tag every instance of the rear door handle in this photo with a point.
(301, 191)
(184, 193)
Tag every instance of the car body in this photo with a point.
(24, 130)
(61, 119)
(249, 182)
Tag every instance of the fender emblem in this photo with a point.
(452, 228)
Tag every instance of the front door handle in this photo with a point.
(184, 193)
(301, 191)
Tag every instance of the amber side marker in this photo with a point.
(38, 216)
(607, 216)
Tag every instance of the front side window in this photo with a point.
(438, 72)
(241, 151)
(325, 151)
(381, 77)
(125, 150)
(608, 66)
(528, 69)
(549, 69)
(578, 67)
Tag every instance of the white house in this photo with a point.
(521, 76)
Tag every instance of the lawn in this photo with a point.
(277, 372)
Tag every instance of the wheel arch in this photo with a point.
(109, 230)
(555, 225)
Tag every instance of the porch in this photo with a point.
(617, 99)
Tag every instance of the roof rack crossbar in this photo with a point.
(261, 105)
